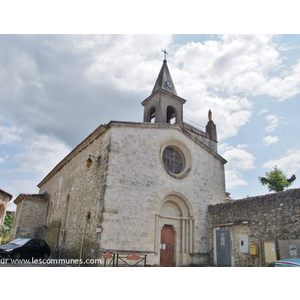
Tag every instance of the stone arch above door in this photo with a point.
(175, 205)
(176, 199)
(170, 208)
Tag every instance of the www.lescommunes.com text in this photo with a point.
(50, 261)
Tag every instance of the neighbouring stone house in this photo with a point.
(132, 187)
(4, 199)
(255, 231)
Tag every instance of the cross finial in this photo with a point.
(165, 52)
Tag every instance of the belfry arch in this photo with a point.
(151, 115)
(171, 115)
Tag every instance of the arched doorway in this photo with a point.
(174, 234)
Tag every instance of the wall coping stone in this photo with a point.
(39, 197)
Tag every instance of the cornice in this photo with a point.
(161, 91)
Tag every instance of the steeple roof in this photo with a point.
(164, 80)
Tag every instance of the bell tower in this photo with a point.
(163, 105)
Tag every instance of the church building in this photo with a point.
(132, 187)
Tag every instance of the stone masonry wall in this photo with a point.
(29, 224)
(76, 201)
(272, 217)
(136, 177)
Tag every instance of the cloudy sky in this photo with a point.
(56, 89)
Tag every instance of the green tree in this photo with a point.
(5, 230)
(276, 180)
(8, 221)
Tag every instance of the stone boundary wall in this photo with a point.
(271, 217)
(30, 215)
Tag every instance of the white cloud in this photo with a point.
(263, 111)
(130, 61)
(238, 161)
(22, 73)
(290, 163)
(270, 139)
(41, 154)
(9, 135)
(2, 159)
(230, 61)
(234, 179)
(286, 47)
(229, 114)
(128, 70)
(21, 186)
(241, 64)
(225, 147)
(273, 123)
(103, 70)
(51, 83)
(214, 74)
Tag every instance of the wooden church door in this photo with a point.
(167, 247)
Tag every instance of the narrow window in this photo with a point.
(171, 115)
(49, 213)
(65, 219)
(152, 115)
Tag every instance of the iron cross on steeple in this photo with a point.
(165, 52)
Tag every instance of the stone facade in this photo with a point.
(123, 200)
(133, 203)
(121, 203)
(272, 219)
(4, 199)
